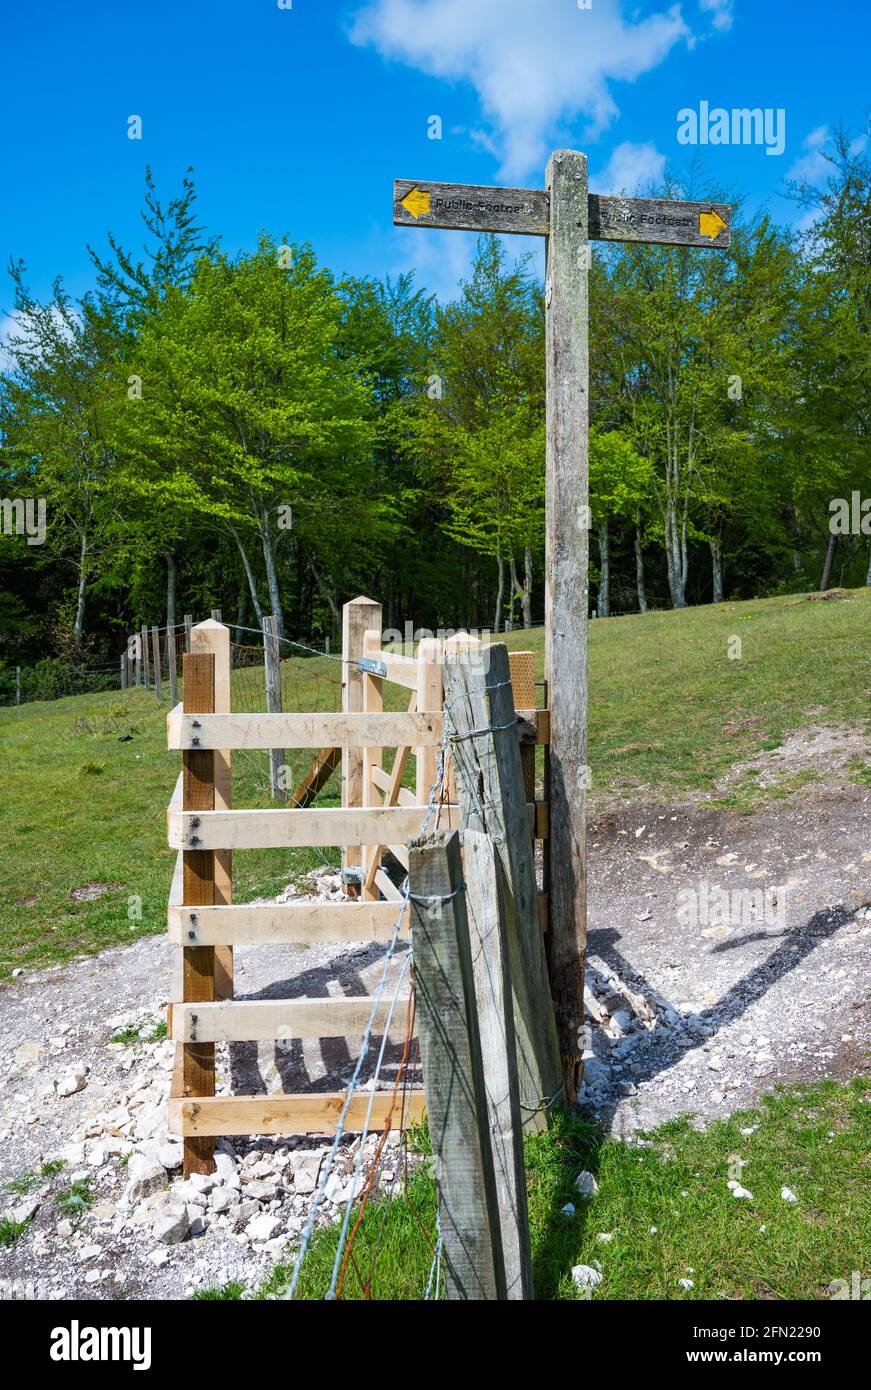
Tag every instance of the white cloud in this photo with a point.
(630, 169)
(721, 12)
(812, 166)
(533, 65)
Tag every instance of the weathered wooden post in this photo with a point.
(568, 216)
(456, 1097)
(18, 685)
(172, 666)
(155, 655)
(143, 638)
(188, 628)
(272, 678)
(566, 590)
(123, 672)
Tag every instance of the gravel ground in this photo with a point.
(697, 1002)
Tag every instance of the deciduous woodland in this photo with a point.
(259, 433)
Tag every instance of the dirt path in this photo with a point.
(700, 1015)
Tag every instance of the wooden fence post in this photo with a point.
(123, 671)
(18, 685)
(358, 615)
(137, 658)
(215, 638)
(143, 638)
(373, 701)
(172, 665)
(566, 594)
(155, 654)
(430, 698)
(198, 962)
(488, 906)
(491, 796)
(188, 629)
(521, 666)
(453, 1075)
(272, 677)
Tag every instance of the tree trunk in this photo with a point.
(526, 597)
(827, 563)
(639, 568)
(500, 594)
(241, 612)
(171, 586)
(249, 575)
(717, 568)
(328, 595)
(516, 592)
(603, 603)
(79, 627)
(272, 575)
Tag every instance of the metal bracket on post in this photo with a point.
(370, 667)
(353, 875)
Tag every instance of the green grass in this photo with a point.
(76, 1198)
(10, 1230)
(232, 1291)
(663, 692)
(812, 1139)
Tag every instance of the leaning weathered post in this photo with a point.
(198, 962)
(188, 628)
(272, 678)
(482, 737)
(143, 638)
(566, 297)
(453, 1077)
(123, 672)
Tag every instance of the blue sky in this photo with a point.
(298, 116)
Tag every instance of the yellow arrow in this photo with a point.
(711, 224)
(416, 202)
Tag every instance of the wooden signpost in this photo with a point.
(569, 216)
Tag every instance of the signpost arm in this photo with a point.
(566, 592)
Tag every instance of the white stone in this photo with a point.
(788, 1195)
(171, 1156)
(586, 1185)
(158, 1257)
(585, 1277)
(25, 1210)
(222, 1199)
(144, 1178)
(738, 1191)
(203, 1182)
(306, 1166)
(263, 1228)
(171, 1223)
(607, 1236)
(225, 1167)
(70, 1084)
(686, 1283)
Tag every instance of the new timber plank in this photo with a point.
(315, 1113)
(263, 1020)
(356, 729)
(329, 825)
(301, 923)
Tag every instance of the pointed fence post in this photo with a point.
(155, 654)
(214, 637)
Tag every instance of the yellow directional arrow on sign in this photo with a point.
(416, 202)
(711, 224)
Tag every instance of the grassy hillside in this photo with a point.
(670, 713)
